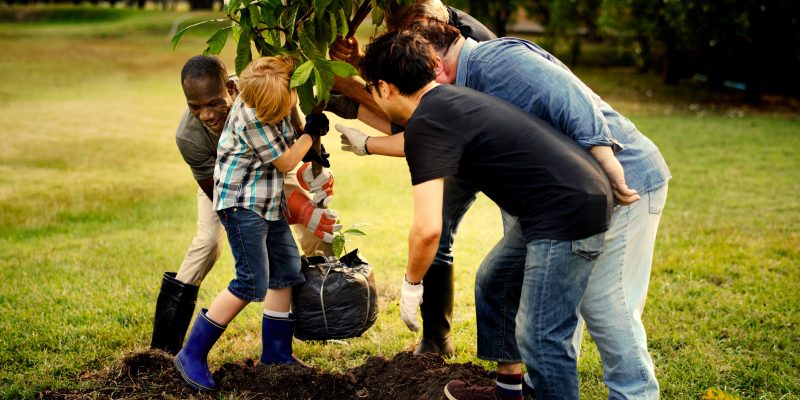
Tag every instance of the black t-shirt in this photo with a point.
(536, 173)
(469, 26)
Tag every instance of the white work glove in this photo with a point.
(353, 140)
(320, 187)
(410, 299)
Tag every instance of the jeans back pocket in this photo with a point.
(591, 247)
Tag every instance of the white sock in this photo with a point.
(276, 314)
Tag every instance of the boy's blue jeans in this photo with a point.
(264, 251)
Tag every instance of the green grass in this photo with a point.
(95, 203)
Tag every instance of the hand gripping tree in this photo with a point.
(304, 29)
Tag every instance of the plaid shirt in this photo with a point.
(244, 175)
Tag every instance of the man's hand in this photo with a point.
(320, 221)
(353, 140)
(346, 50)
(320, 187)
(410, 299)
(616, 175)
(623, 194)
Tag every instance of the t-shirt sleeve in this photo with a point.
(265, 140)
(431, 152)
(199, 160)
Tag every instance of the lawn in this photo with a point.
(95, 203)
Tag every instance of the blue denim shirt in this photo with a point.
(526, 75)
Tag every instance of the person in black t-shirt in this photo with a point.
(558, 194)
(437, 306)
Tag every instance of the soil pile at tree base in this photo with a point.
(150, 374)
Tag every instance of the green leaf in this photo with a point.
(308, 46)
(306, 94)
(266, 49)
(338, 245)
(333, 27)
(217, 42)
(243, 53)
(177, 37)
(232, 6)
(244, 20)
(343, 69)
(301, 74)
(377, 15)
(354, 232)
(324, 81)
(342, 25)
(319, 7)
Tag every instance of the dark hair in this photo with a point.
(199, 67)
(440, 35)
(404, 59)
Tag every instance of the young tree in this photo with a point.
(302, 28)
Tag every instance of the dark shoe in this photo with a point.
(276, 340)
(460, 390)
(192, 360)
(436, 310)
(174, 310)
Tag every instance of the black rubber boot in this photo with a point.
(174, 310)
(437, 310)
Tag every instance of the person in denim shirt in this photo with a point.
(557, 192)
(524, 74)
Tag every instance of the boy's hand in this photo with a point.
(317, 125)
(320, 221)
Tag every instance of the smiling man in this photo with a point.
(210, 93)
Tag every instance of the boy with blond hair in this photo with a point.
(257, 148)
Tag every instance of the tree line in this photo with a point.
(750, 45)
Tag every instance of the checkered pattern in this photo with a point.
(244, 175)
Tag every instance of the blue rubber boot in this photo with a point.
(276, 338)
(192, 360)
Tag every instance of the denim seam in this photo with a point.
(544, 370)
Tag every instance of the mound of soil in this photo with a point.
(150, 374)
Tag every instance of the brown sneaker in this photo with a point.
(460, 390)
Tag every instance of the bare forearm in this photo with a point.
(610, 165)
(392, 146)
(422, 245)
(207, 185)
(289, 159)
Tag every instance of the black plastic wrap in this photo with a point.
(338, 299)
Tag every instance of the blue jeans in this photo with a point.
(264, 251)
(614, 300)
(527, 299)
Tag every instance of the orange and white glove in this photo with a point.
(320, 187)
(320, 221)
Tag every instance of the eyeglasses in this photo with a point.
(368, 87)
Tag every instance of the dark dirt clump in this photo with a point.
(150, 374)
